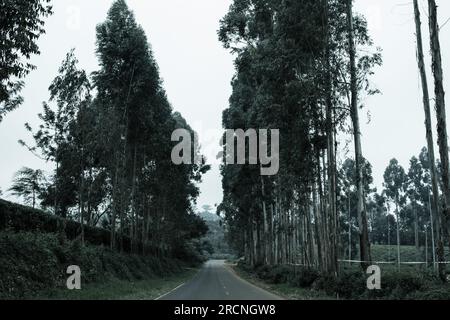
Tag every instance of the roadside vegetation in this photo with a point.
(302, 283)
(34, 259)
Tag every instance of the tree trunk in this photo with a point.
(433, 243)
(114, 205)
(331, 153)
(266, 224)
(362, 216)
(416, 229)
(429, 131)
(349, 230)
(81, 199)
(441, 128)
(398, 234)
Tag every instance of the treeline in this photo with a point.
(401, 213)
(109, 136)
(304, 67)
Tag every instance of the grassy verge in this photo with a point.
(115, 289)
(299, 283)
(34, 265)
(284, 290)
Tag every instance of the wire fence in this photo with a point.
(395, 262)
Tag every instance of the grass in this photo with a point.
(283, 290)
(385, 253)
(410, 282)
(407, 253)
(115, 289)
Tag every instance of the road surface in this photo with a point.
(215, 281)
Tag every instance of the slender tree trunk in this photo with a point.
(416, 232)
(389, 235)
(349, 230)
(430, 141)
(362, 215)
(318, 233)
(426, 245)
(81, 200)
(397, 213)
(34, 198)
(133, 223)
(114, 205)
(331, 152)
(432, 231)
(441, 128)
(266, 224)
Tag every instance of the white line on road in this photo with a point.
(166, 294)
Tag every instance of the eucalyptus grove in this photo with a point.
(109, 136)
(293, 73)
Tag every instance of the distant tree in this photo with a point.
(28, 184)
(348, 200)
(21, 25)
(207, 208)
(413, 188)
(394, 184)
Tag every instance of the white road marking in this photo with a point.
(166, 294)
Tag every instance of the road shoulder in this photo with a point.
(284, 291)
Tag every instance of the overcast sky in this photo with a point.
(197, 72)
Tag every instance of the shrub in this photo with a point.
(351, 285)
(304, 277)
(398, 285)
(432, 294)
(18, 218)
(27, 264)
(325, 282)
(241, 264)
(31, 262)
(263, 272)
(280, 274)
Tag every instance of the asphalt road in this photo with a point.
(215, 281)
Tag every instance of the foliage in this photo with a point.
(28, 184)
(21, 25)
(34, 262)
(109, 136)
(292, 74)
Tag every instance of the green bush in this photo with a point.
(27, 264)
(280, 274)
(241, 264)
(432, 294)
(325, 282)
(304, 277)
(18, 218)
(398, 285)
(351, 285)
(262, 271)
(31, 262)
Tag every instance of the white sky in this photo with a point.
(197, 72)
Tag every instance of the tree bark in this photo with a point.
(441, 127)
(362, 215)
(331, 154)
(397, 213)
(434, 207)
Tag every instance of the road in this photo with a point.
(215, 281)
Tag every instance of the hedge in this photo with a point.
(32, 262)
(18, 218)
